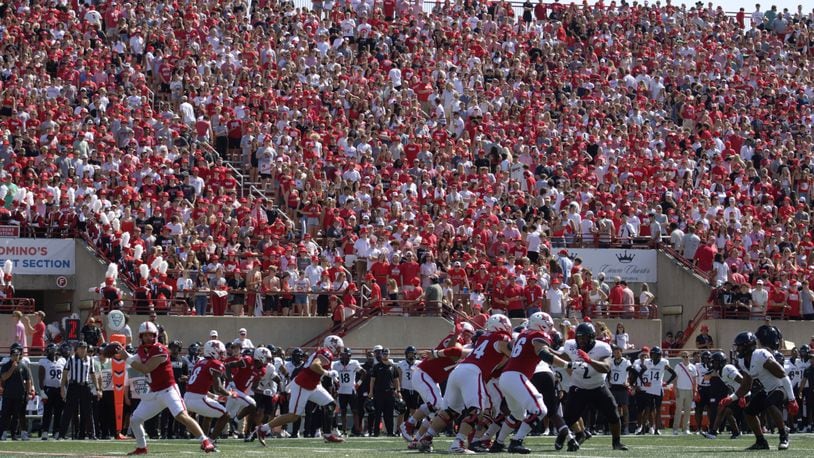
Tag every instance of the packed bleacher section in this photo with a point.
(264, 152)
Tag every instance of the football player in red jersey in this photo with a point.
(243, 375)
(465, 391)
(432, 371)
(153, 358)
(524, 401)
(205, 377)
(306, 387)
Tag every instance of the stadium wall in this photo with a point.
(723, 332)
(679, 286)
(390, 331)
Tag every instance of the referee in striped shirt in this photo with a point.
(76, 382)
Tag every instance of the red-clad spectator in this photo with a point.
(705, 256)
(616, 296)
(515, 299)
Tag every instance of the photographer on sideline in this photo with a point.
(17, 388)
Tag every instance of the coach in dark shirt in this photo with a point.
(384, 388)
(16, 381)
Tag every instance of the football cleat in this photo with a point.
(261, 435)
(497, 447)
(760, 444)
(478, 447)
(138, 451)
(207, 446)
(784, 444)
(709, 435)
(425, 446)
(333, 438)
(560, 440)
(516, 446)
(407, 431)
(573, 445)
(619, 446)
(458, 448)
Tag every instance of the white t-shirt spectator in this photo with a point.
(721, 272)
(556, 300)
(685, 376)
(622, 340)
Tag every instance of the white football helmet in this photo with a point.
(467, 328)
(540, 321)
(499, 323)
(333, 343)
(213, 349)
(148, 327)
(262, 354)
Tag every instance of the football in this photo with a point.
(111, 349)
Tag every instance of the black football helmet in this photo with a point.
(718, 360)
(400, 406)
(769, 337)
(655, 354)
(51, 351)
(779, 357)
(370, 406)
(297, 356)
(745, 344)
(477, 335)
(585, 336)
(410, 352)
(556, 339)
(705, 357)
(345, 356)
(804, 352)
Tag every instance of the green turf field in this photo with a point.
(640, 446)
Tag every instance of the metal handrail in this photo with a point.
(240, 177)
(12, 304)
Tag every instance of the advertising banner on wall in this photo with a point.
(39, 256)
(631, 265)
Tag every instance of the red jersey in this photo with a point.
(242, 376)
(161, 377)
(524, 359)
(309, 379)
(485, 354)
(439, 368)
(202, 375)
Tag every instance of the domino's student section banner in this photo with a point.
(39, 257)
(638, 266)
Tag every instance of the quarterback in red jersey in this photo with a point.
(306, 387)
(465, 388)
(153, 358)
(243, 376)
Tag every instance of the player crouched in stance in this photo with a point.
(153, 358)
(306, 387)
(204, 378)
(466, 390)
(758, 363)
(589, 361)
(525, 403)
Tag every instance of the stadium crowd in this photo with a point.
(398, 148)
